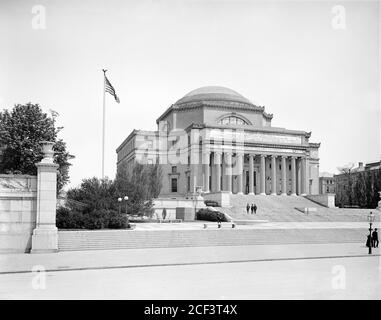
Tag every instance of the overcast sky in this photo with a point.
(290, 57)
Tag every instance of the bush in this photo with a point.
(67, 219)
(209, 215)
(118, 221)
(95, 219)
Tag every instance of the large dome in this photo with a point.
(213, 93)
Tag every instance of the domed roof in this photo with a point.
(213, 93)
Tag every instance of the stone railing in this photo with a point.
(326, 200)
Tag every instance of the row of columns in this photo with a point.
(227, 185)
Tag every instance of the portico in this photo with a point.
(255, 173)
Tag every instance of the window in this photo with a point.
(232, 120)
(188, 184)
(174, 169)
(174, 184)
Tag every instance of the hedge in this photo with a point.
(96, 219)
(210, 215)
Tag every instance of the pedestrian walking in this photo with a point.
(255, 208)
(375, 238)
(247, 208)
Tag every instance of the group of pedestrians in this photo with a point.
(372, 240)
(252, 207)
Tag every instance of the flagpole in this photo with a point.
(104, 123)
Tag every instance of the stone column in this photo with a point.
(284, 176)
(228, 172)
(240, 173)
(194, 161)
(304, 176)
(45, 235)
(251, 174)
(298, 180)
(206, 171)
(263, 175)
(293, 176)
(217, 164)
(273, 175)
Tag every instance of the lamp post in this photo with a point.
(370, 219)
(125, 200)
(196, 194)
(120, 204)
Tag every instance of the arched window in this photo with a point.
(232, 120)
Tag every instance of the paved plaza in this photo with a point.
(336, 278)
(230, 272)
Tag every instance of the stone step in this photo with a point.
(107, 240)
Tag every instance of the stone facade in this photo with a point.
(217, 140)
(327, 184)
(345, 185)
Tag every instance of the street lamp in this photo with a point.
(125, 200)
(120, 204)
(371, 220)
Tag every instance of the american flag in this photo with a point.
(110, 89)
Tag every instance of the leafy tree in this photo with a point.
(141, 183)
(21, 131)
(360, 189)
(95, 193)
(155, 180)
(347, 172)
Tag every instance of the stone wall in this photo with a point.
(18, 210)
(171, 204)
(326, 200)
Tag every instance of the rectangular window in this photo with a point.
(174, 169)
(188, 184)
(174, 184)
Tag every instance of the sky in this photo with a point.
(314, 66)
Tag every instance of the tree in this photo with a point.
(347, 172)
(360, 190)
(22, 130)
(141, 183)
(95, 193)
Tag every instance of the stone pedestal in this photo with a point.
(45, 235)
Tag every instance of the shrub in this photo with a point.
(117, 221)
(67, 219)
(95, 219)
(209, 215)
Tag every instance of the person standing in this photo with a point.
(375, 238)
(247, 208)
(255, 208)
(368, 241)
(252, 208)
(219, 220)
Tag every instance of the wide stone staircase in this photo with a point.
(285, 209)
(134, 239)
